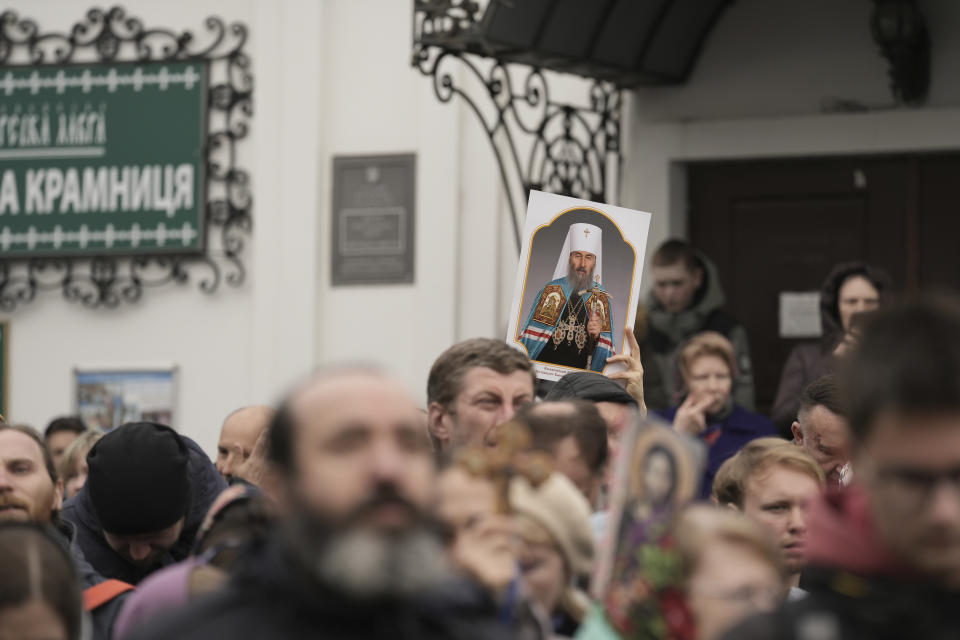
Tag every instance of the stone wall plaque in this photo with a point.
(373, 220)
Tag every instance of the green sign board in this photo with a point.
(102, 159)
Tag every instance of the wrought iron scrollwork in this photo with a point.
(113, 36)
(539, 143)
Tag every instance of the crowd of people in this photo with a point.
(654, 502)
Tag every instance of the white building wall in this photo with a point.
(239, 346)
(333, 77)
(375, 103)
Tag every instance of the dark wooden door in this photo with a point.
(780, 225)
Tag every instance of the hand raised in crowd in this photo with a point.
(594, 326)
(691, 418)
(633, 374)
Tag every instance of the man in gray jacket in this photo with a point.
(686, 299)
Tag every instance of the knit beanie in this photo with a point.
(137, 479)
(559, 507)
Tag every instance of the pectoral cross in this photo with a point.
(510, 457)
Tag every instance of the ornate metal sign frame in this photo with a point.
(113, 36)
(572, 150)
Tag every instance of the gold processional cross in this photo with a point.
(512, 456)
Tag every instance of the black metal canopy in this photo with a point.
(629, 43)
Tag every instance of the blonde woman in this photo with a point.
(708, 412)
(556, 548)
(73, 465)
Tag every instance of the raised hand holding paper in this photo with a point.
(577, 283)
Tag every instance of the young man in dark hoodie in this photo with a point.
(686, 299)
(147, 491)
(30, 491)
(884, 555)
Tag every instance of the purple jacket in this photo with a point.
(726, 437)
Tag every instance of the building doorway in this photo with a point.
(775, 226)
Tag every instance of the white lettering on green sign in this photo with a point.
(165, 188)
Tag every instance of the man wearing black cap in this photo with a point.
(147, 491)
(617, 407)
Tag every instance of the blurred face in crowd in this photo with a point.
(238, 436)
(73, 485)
(355, 435)
(58, 442)
(568, 460)
(778, 498)
(362, 476)
(674, 286)
(824, 435)
(910, 466)
(486, 400)
(481, 542)
(34, 618)
(730, 582)
(659, 476)
(464, 500)
(543, 570)
(582, 265)
(27, 493)
(145, 550)
(618, 417)
(856, 296)
(710, 377)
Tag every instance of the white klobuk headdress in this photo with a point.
(581, 237)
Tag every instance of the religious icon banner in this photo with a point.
(639, 575)
(577, 284)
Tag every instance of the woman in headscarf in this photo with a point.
(850, 290)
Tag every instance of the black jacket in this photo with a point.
(206, 483)
(270, 598)
(842, 606)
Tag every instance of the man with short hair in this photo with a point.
(821, 428)
(575, 435)
(570, 321)
(884, 553)
(148, 489)
(616, 406)
(473, 387)
(686, 299)
(60, 433)
(238, 436)
(356, 555)
(773, 482)
(31, 491)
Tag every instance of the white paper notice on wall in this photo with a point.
(800, 314)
